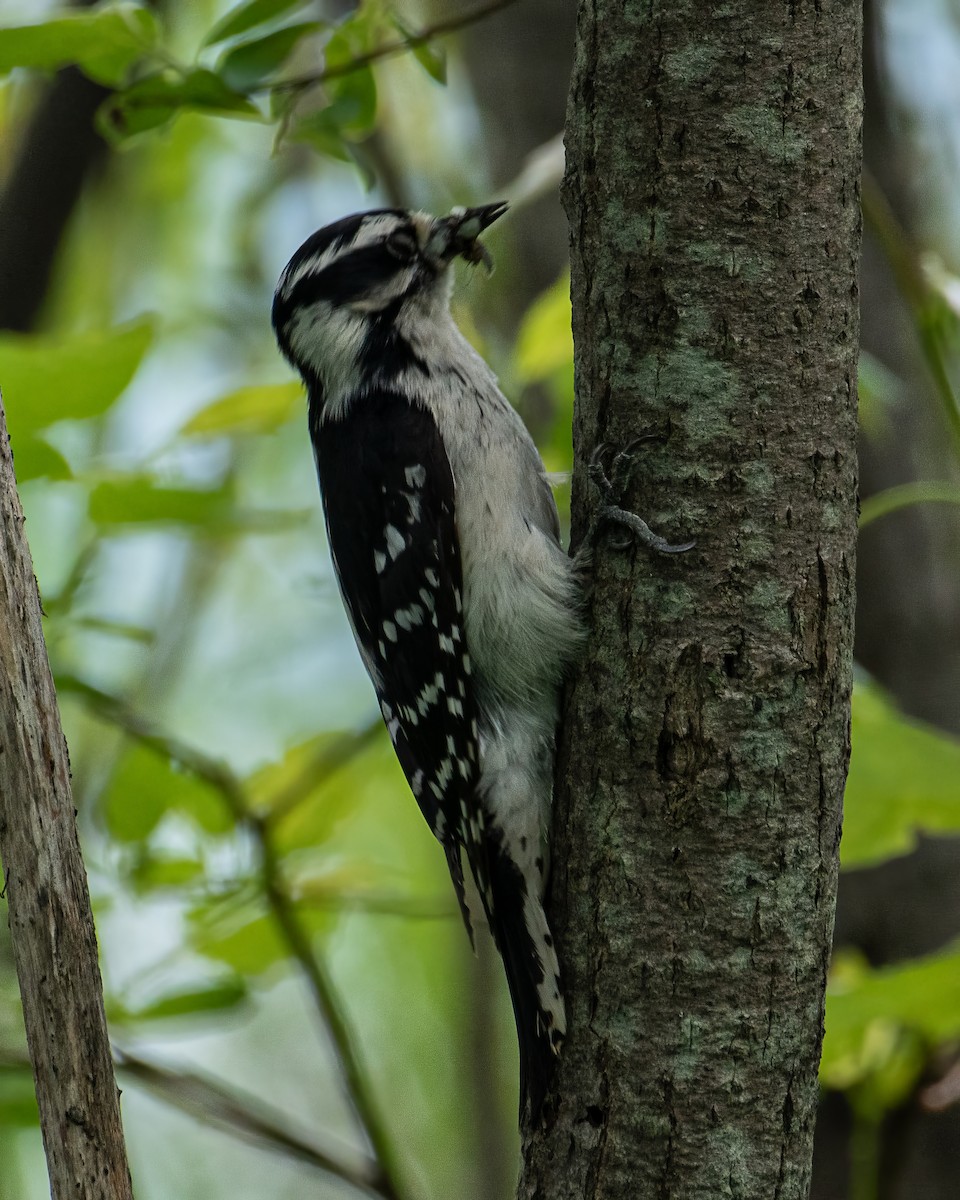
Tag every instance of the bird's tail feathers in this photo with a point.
(523, 937)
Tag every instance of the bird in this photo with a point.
(445, 540)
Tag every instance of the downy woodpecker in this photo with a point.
(446, 545)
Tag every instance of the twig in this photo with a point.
(387, 50)
(284, 913)
(243, 1116)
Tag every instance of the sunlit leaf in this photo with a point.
(248, 16)
(103, 42)
(545, 342)
(870, 1012)
(146, 785)
(48, 378)
(34, 458)
(904, 779)
(372, 773)
(246, 65)
(156, 99)
(259, 409)
(299, 772)
(216, 996)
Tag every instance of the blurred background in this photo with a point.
(290, 991)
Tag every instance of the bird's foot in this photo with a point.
(611, 485)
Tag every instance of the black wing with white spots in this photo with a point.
(386, 473)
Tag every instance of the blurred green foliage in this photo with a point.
(267, 866)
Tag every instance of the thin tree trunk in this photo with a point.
(51, 924)
(713, 197)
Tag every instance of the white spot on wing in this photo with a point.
(394, 540)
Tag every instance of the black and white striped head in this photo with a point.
(356, 286)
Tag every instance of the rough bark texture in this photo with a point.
(51, 923)
(712, 191)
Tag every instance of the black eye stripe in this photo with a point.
(347, 278)
(340, 233)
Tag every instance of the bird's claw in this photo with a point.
(612, 486)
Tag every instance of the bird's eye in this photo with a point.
(402, 244)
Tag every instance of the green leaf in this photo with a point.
(146, 785)
(431, 56)
(353, 103)
(353, 97)
(138, 500)
(18, 1101)
(247, 16)
(158, 873)
(904, 779)
(156, 99)
(545, 342)
(872, 1015)
(303, 771)
(237, 932)
(216, 996)
(259, 409)
(246, 65)
(103, 42)
(34, 458)
(321, 131)
(433, 59)
(46, 379)
(368, 775)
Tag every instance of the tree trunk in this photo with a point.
(712, 193)
(45, 886)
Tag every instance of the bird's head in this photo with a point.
(357, 286)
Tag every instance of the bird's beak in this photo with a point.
(457, 235)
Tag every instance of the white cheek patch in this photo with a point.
(329, 341)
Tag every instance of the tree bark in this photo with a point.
(713, 197)
(51, 923)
